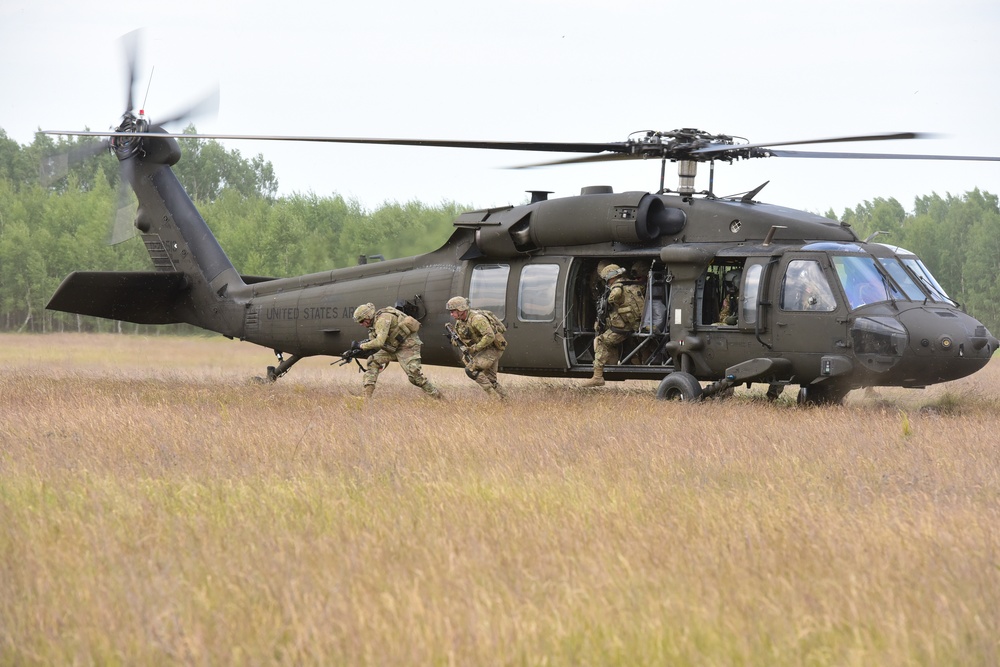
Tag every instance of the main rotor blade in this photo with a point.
(719, 148)
(881, 156)
(586, 159)
(551, 147)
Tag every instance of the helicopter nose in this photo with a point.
(946, 343)
(962, 340)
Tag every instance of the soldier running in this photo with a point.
(480, 334)
(393, 335)
(615, 321)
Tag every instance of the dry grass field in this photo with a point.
(158, 508)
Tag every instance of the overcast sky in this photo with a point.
(532, 70)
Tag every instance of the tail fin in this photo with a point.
(193, 280)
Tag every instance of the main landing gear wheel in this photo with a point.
(679, 386)
(821, 395)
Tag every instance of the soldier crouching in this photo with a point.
(393, 335)
(480, 334)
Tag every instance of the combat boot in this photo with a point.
(436, 394)
(369, 390)
(597, 380)
(501, 392)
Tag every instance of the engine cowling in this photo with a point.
(596, 217)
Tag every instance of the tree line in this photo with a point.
(56, 215)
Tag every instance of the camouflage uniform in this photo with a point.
(394, 342)
(625, 303)
(483, 343)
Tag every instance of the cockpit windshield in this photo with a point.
(863, 283)
(894, 268)
(928, 283)
(927, 279)
(903, 277)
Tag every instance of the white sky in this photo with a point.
(533, 70)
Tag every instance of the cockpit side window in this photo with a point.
(488, 288)
(804, 287)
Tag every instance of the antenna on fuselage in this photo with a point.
(770, 233)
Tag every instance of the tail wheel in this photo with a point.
(679, 386)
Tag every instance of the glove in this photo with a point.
(465, 350)
(355, 345)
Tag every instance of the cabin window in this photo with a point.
(488, 288)
(721, 298)
(805, 288)
(536, 296)
(751, 287)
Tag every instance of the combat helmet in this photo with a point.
(457, 303)
(611, 271)
(732, 280)
(365, 311)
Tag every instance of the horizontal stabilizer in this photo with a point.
(131, 296)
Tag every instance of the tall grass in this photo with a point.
(157, 508)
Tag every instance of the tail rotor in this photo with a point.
(126, 143)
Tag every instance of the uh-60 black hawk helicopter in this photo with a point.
(737, 291)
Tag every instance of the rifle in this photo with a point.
(457, 342)
(354, 353)
(602, 311)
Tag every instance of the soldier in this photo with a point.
(624, 310)
(393, 335)
(730, 303)
(480, 334)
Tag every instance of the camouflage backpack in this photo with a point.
(401, 327)
(498, 327)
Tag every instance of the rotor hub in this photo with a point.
(127, 146)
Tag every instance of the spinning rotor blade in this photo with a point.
(611, 157)
(55, 167)
(122, 225)
(781, 153)
(719, 148)
(882, 156)
(549, 147)
(208, 106)
(130, 44)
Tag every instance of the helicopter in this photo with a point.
(737, 291)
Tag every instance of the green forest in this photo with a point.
(58, 219)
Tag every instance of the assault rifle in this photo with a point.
(602, 311)
(354, 353)
(457, 342)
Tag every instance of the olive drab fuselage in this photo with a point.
(815, 306)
